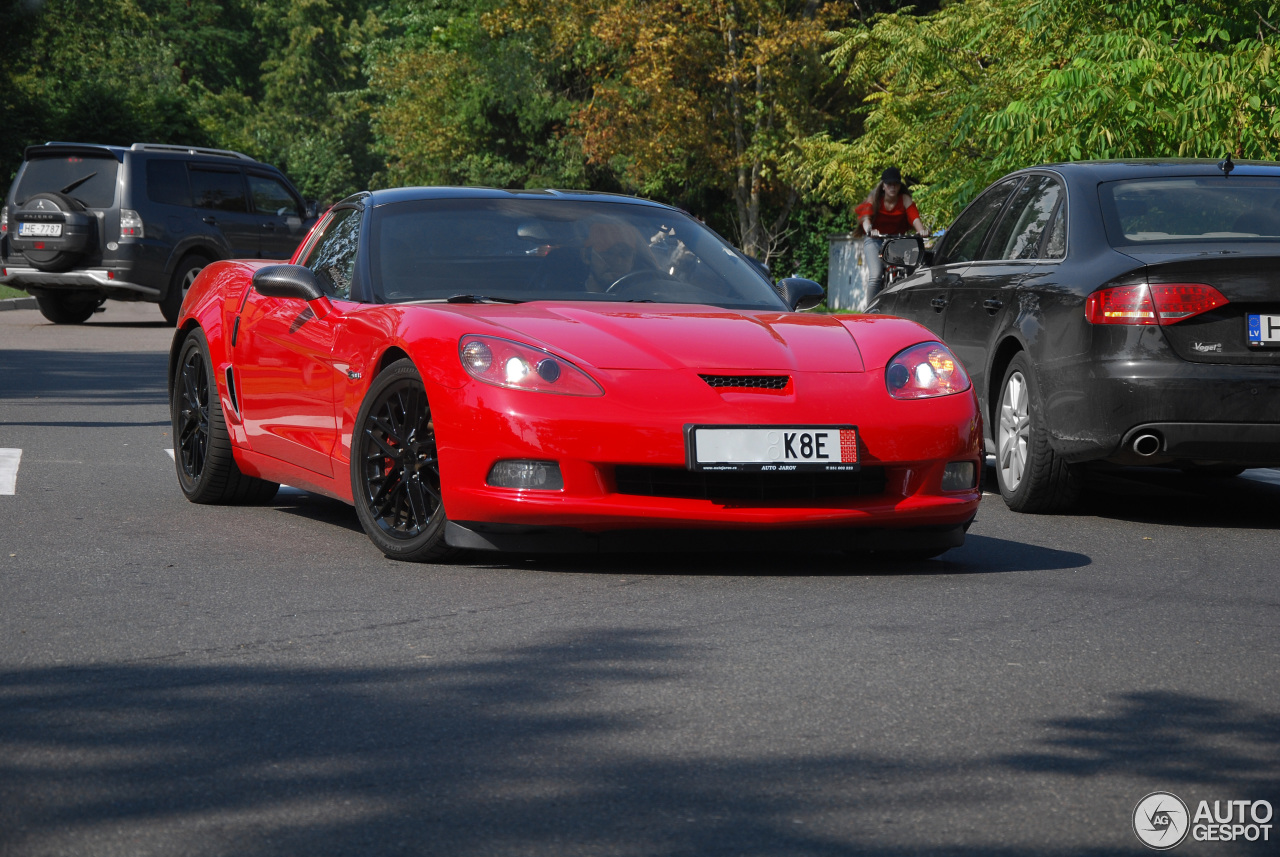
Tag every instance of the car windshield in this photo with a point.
(1202, 208)
(555, 249)
(89, 179)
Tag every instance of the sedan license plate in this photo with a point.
(1263, 330)
(39, 230)
(772, 448)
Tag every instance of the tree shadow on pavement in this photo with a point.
(562, 748)
(96, 378)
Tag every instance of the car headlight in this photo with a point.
(924, 371)
(504, 363)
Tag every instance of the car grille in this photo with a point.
(748, 382)
(728, 485)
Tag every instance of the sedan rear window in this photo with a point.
(87, 178)
(1204, 208)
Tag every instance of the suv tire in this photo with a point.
(68, 307)
(77, 232)
(183, 276)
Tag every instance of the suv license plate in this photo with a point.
(773, 448)
(39, 230)
(1263, 330)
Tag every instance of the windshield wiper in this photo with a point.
(75, 184)
(480, 299)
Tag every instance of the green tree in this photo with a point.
(981, 87)
(88, 70)
(480, 94)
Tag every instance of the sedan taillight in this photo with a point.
(1164, 303)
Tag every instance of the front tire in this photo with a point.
(395, 472)
(207, 470)
(183, 276)
(1032, 477)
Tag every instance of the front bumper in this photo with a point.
(590, 438)
(98, 279)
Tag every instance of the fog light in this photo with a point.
(959, 476)
(526, 475)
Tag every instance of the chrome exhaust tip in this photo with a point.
(1146, 445)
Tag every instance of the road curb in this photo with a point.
(17, 303)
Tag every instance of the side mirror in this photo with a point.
(292, 281)
(907, 252)
(313, 209)
(287, 281)
(800, 293)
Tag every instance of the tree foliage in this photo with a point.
(713, 92)
(981, 87)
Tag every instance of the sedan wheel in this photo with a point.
(207, 470)
(1014, 431)
(395, 475)
(1032, 477)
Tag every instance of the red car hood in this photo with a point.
(668, 336)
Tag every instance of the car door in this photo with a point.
(219, 195)
(987, 290)
(925, 297)
(281, 219)
(286, 361)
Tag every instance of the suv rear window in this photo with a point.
(91, 179)
(1201, 208)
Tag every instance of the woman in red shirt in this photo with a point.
(885, 211)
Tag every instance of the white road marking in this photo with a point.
(1261, 474)
(9, 459)
(170, 451)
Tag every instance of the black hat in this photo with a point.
(891, 176)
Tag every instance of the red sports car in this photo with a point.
(534, 371)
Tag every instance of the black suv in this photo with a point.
(83, 223)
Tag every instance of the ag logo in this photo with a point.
(1160, 819)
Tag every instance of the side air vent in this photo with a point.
(231, 389)
(748, 382)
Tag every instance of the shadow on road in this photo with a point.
(524, 753)
(96, 378)
(1159, 495)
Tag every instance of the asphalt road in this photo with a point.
(184, 680)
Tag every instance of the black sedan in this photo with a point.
(1112, 311)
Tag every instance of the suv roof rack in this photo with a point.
(189, 150)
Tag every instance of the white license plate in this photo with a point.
(39, 230)
(1264, 329)
(773, 448)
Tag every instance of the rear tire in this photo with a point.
(1032, 477)
(207, 470)
(183, 276)
(68, 307)
(395, 472)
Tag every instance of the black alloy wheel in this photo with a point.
(395, 474)
(207, 471)
(1031, 476)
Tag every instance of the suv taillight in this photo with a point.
(1164, 304)
(4, 220)
(130, 224)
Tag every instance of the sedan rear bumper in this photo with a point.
(1200, 411)
(1236, 443)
